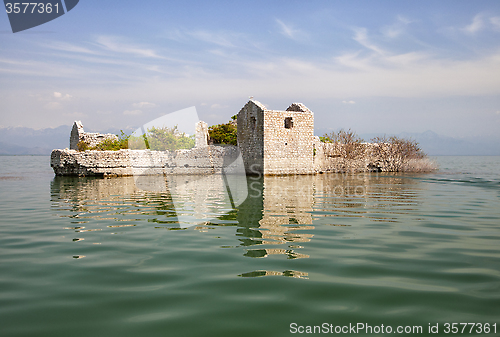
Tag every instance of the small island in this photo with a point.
(269, 142)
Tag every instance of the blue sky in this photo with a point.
(373, 66)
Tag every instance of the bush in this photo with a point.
(82, 146)
(162, 139)
(352, 145)
(157, 139)
(223, 134)
(113, 145)
(395, 147)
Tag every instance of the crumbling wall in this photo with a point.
(288, 141)
(78, 134)
(276, 142)
(203, 160)
(372, 157)
(202, 135)
(251, 136)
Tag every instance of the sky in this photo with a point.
(372, 66)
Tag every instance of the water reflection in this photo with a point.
(279, 218)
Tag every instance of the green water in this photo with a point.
(97, 257)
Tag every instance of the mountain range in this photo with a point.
(27, 141)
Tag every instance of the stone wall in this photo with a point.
(288, 141)
(202, 135)
(271, 143)
(251, 136)
(203, 160)
(276, 142)
(373, 157)
(92, 139)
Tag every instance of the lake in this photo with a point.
(324, 254)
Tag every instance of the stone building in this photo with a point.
(276, 142)
(270, 142)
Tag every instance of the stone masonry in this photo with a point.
(276, 142)
(203, 160)
(271, 142)
(92, 139)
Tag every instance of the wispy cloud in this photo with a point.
(223, 39)
(142, 105)
(71, 48)
(216, 38)
(116, 45)
(348, 102)
(495, 21)
(475, 26)
(288, 30)
(361, 36)
(396, 29)
(132, 112)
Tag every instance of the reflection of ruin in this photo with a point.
(164, 199)
(287, 273)
(276, 219)
(288, 202)
(372, 196)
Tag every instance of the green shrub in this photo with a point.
(113, 144)
(165, 139)
(82, 146)
(223, 134)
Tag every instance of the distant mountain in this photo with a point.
(26, 141)
(438, 145)
(20, 140)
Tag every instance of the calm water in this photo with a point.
(98, 257)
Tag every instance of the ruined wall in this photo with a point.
(204, 160)
(202, 134)
(92, 139)
(372, 157)
(288, 141)
(251, 136)
(276, 142)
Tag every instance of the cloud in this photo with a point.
(476, 25)
(61, 96)
(217, 38)
(495, 21)
(132, 112)
(397, 29)
(498, 112)
(218, 106)
(142, 105)
(67, 47)
(348, 102)
(288, 30)
(116, 45)
(361, 36)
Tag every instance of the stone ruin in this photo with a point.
(90, 138)
(271, 142)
